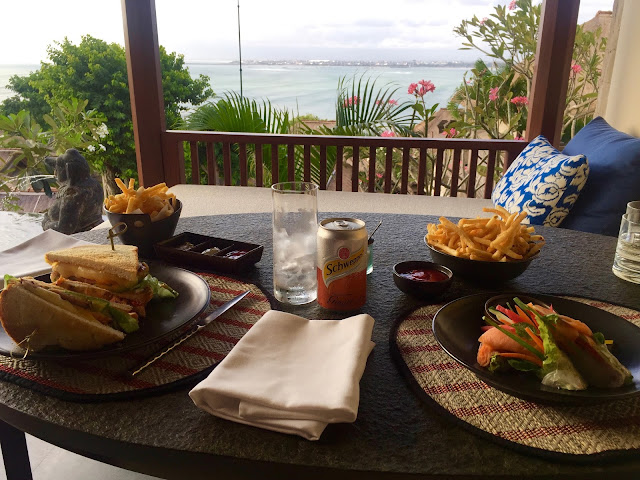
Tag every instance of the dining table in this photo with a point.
(395, 435)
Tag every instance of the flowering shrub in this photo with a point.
(509, 36)
(520, 101)
(419, 90)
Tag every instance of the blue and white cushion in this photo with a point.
(542, 182)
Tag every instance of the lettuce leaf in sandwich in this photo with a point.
(557, 369)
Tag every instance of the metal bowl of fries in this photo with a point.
(150, 215)
(494, 249)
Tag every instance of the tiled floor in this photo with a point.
(52, 463)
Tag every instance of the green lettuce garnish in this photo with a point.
(160, 289)
(557, 369)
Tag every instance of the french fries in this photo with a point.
(154, 201)
(500, 238)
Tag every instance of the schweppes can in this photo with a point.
(342, 263)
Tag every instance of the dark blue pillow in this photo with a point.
(614, 177)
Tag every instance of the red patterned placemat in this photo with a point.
(106, 379)
(562, 431)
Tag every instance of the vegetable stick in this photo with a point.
(522, 356)
(537, 340)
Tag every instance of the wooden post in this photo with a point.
(556, 36)
(145, 89)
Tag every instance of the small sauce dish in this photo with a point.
(422, 279)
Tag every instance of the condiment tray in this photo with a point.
(211, 253)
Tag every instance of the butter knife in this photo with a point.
(199, 325)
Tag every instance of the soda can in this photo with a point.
(342, 264)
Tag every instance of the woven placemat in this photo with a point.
(105, 378)
(572, 432)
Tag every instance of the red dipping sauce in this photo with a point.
(235, 254)
(425, 275)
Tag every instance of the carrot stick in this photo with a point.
(535, 339)
(522, 356)
(524, 316)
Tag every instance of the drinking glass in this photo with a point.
(295, 226)
(370, 256)
(633, 211)
(626, 263)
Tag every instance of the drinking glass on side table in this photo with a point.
(295, 226)
(626, 263)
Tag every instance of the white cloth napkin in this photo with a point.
(290, 374)
(28, 257)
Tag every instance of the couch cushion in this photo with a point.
(542, 182)
(614, 178)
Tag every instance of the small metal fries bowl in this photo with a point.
(149, 215)
(422, 279)
(142, 232)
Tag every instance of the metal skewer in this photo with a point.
(374, 230)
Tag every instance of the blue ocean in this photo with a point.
(302, 89)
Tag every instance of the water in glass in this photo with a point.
(295, 225)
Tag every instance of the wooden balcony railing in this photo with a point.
(430, 166)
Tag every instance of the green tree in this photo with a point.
(97, 71)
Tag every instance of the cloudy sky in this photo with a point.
(207, 30)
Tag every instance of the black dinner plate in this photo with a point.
(164, 317)
(456, 327)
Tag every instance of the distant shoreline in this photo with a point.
(339, 63)
(321, 63)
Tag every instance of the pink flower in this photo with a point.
(518, 137)
(393, 102)
(512, 5)
(349, 102)
(450, 133)
(425, 86)
(428, 85)
(378, 175)
(483, 21)
(576, 68)
(388, 133)
(493, 94)
(520, 101)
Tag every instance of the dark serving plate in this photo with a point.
(187, 249)
(164, 317)
(456, 326)
(478, 270)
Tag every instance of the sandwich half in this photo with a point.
(36, 314)
(100, 271)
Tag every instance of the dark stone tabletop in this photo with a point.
(394, 431)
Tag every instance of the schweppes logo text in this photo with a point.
(339, 267)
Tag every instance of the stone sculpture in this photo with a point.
(78, 205)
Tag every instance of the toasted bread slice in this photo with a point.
(98, 263)
(35, 318)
